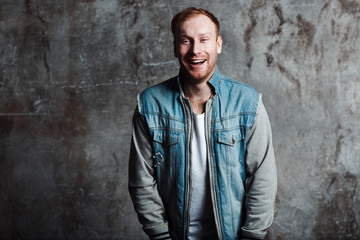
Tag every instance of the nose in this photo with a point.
(196, 48)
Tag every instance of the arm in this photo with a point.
(261, 178)
(142, 183)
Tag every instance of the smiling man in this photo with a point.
(201, 163)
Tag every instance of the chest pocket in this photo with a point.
(165, 143)
(230, 147)
(166, 138)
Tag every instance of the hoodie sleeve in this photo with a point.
(261, 178)
(142, 184)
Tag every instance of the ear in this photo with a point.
(219, 44)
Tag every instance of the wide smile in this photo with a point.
(196, 62)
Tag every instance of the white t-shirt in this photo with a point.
(202, 224)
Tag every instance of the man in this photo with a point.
(201, 164)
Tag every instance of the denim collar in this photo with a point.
(215, 80)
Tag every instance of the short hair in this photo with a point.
(187, 14)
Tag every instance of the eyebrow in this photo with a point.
(201, 34)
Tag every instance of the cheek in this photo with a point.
(213, 49)
(180, 51)
(183, 51)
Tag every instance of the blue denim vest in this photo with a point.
(168, 116)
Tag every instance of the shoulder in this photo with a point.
(229, 85)
(168, 85)
(242, 95)
(158, 94)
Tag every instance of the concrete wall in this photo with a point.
(69, 75)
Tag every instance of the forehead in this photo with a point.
(197, 24)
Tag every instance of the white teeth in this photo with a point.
(197, 61)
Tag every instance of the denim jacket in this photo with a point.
(242, 171)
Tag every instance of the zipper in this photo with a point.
(188, 168)
(213, 193)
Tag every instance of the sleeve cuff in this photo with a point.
(158, 234)
(253, 235)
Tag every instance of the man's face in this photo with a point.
(196, 46)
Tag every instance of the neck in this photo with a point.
(197, 91)
(198, 94)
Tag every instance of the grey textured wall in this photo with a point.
(70, 72)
